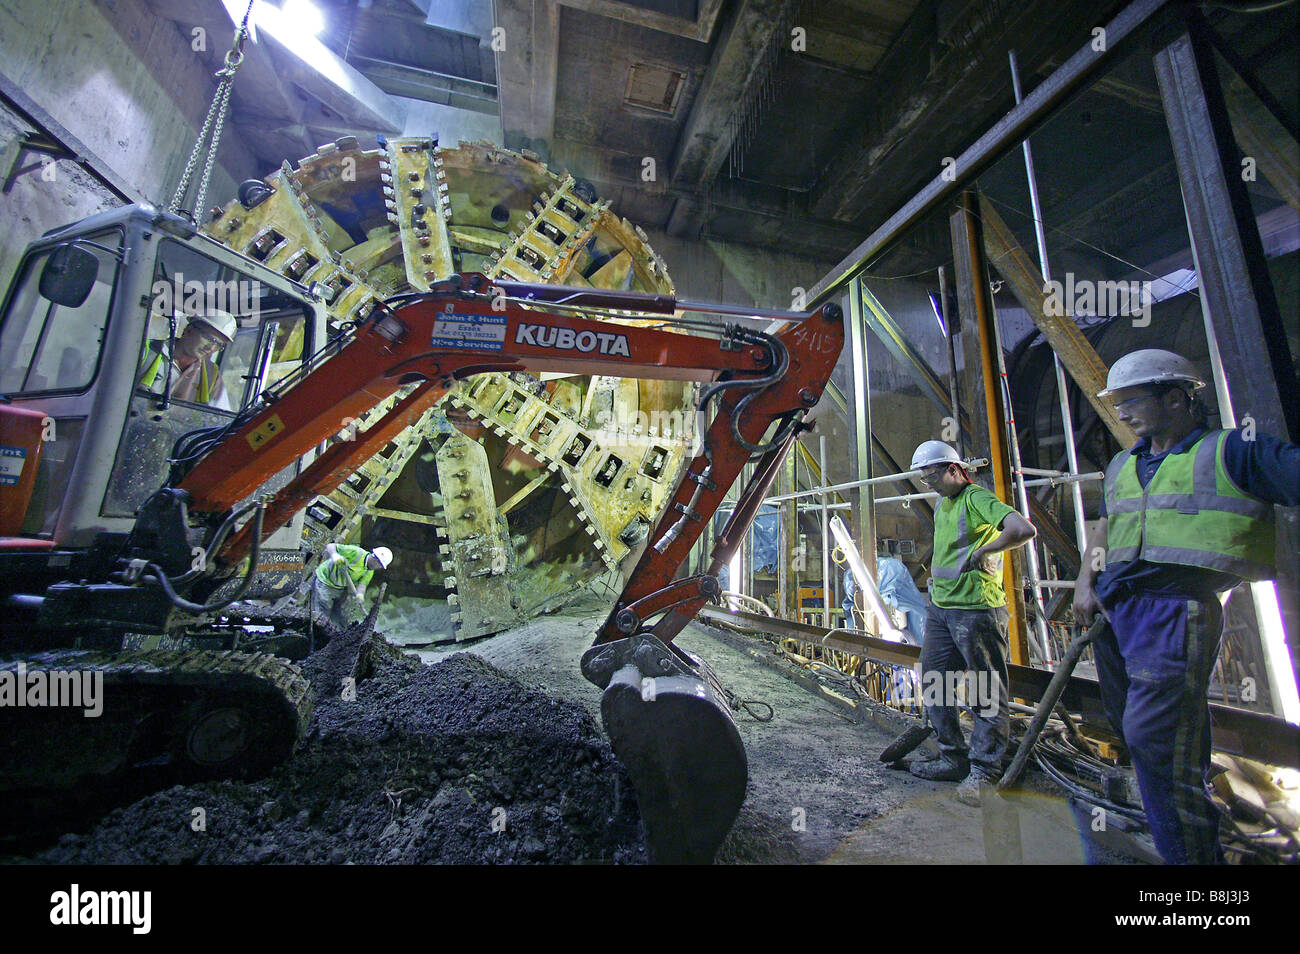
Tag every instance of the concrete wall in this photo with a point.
(451, 124)
(122, 80)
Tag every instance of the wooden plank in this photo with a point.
(1077, 354)
(401, 515)
(523, 492)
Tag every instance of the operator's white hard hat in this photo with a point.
(936, 452)
(222, 322)
(384, 554)
(1151, 366)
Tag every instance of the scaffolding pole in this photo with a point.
(1067, 419)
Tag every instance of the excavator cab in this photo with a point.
(99, 378)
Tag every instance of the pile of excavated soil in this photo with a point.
(451, 763)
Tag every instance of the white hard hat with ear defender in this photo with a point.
(1151, 366)
(935, 452)
(384, 554)
(222, 322)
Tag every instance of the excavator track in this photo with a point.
(82, 725)
(294, 630)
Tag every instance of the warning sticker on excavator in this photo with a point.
(258, 437)
(470, 331)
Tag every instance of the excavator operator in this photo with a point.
(195, 375)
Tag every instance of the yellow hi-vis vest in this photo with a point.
(151, 375)
(1190, 513)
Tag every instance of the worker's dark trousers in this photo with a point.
(975, 641)
(1153, 665)
(333, 600)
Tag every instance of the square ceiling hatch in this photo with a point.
(653, 87)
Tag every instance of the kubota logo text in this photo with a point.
(566, 339)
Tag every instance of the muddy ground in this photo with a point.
(495, 755)
(453, 763)
(816, 789)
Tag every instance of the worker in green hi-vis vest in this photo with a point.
(1187, 514)
(344, 572)
(965, 643)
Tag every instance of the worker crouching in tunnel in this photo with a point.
(966, 626)
(343, 575)
(1187, 514)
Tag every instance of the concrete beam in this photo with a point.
(317, 71)
(701, 28)
(941, 79)
(281, 59)
(742, 46)
(526, 72)
(257, 80)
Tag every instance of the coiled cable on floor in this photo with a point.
(738, 703)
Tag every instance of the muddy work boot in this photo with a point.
(968, 792)
(943, 769)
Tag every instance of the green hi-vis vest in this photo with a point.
(151, 375)
(1190, 513)
(959, 529)
(336, 574)
(953, 558)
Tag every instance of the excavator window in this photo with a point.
(47, 347)
(268, 339)
(269, 332)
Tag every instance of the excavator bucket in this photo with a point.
(669, 723)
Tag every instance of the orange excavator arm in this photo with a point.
(469, 326)
(666, 712)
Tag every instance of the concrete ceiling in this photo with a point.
(792, 125)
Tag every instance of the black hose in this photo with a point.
(218, 539)
(1048, 702)
(199, 608)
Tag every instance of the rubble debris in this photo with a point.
(451, 763)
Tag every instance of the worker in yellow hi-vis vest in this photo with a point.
(1187, 514)
(344, 572)
(195, 375)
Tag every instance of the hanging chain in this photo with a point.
(213, 124)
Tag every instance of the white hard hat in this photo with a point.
(935, 452)
(384, 554)
(222, 322)
(1151, 366)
